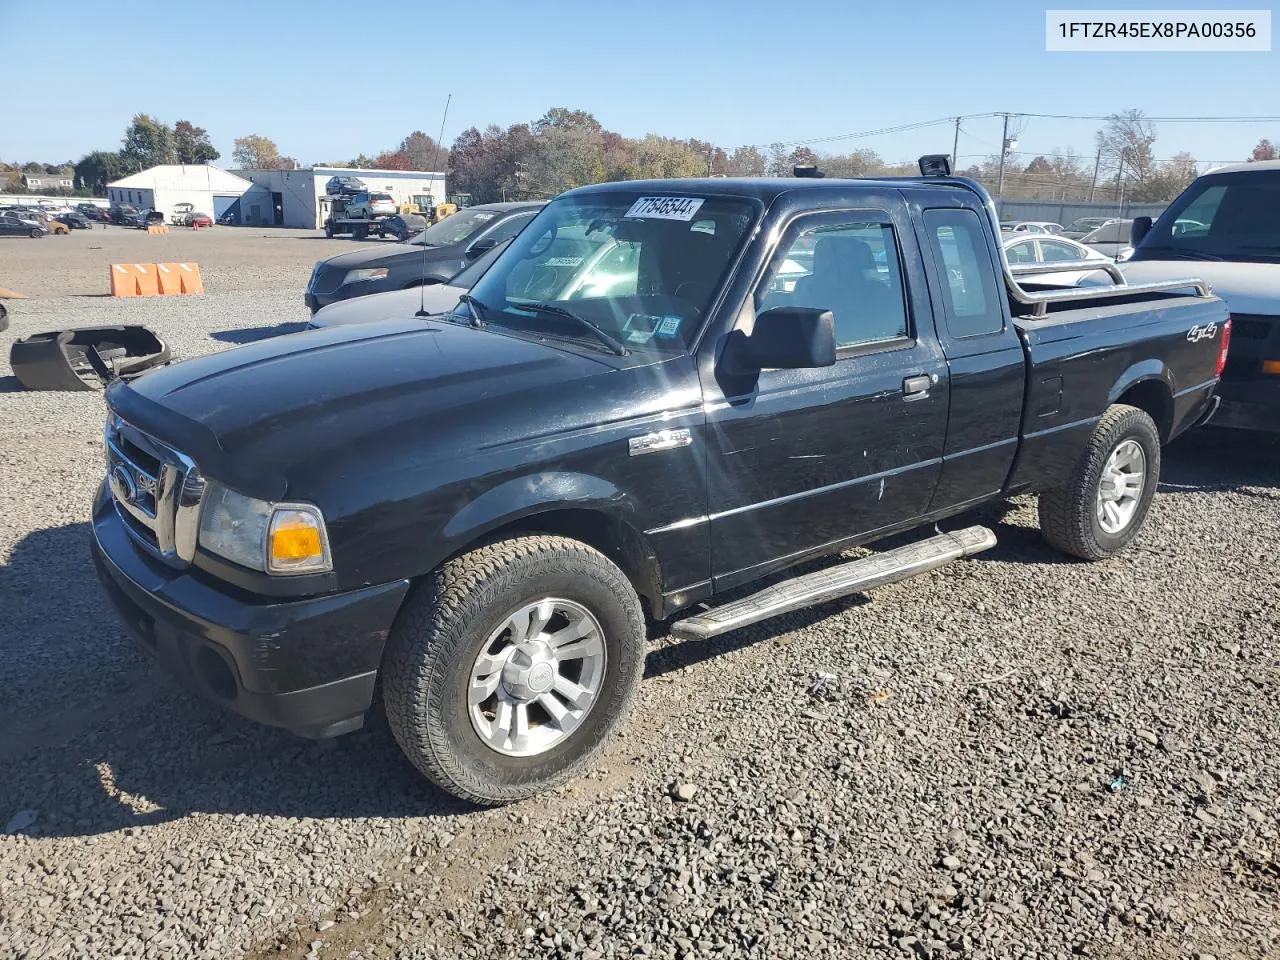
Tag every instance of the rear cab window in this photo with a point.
(972, 302)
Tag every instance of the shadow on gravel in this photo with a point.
(244, 335)
(10, 384)
(95, 737)
(1229, 460)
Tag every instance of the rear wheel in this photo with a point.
(1101, 509)
(36, 233)
(511, 667)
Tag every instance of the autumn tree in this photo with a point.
(746, 161)
(1126, 145)
(192, 144)
(1265, 150)
(423, 153)
(256, 152)
(147, 143)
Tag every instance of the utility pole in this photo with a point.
(1004, 148)
(955, 149)
(1097, 165)
(1120, 171)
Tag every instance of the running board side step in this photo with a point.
(822, 586)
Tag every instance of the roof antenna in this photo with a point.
(435, 161)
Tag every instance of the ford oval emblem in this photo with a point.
(122, 485)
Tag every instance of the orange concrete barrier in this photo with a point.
(180, 278)
(157, 228)
(134, 280)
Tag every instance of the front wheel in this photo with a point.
(512, 665)
(1102, 507)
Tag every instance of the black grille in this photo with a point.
(1252, 327)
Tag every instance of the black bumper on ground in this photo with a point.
(306, 665)
(1253, 405)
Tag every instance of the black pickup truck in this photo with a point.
(659, 392)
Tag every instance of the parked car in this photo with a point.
(370, 205)
(402, 226)
(343, 186)
(124, 214)
(1078, 228)
(433, 256)
(91, 211)
(181, 214)
(1111, 239)
(1030, 226)
(14, 225)
(76, 221)
(1225, 228)
(1022, 250)
(200, 220)
(147, 218)
(465, 512)
(433, 298)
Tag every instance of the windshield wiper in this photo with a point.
(614, 344)
(476, 308)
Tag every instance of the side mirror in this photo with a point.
(483, 245)
(784, 338)
(1140, 227)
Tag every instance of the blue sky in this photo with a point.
(732, 73)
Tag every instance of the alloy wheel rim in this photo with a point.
(1120, 489)
(537, 677)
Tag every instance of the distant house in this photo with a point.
(207, 188)
(47, 181)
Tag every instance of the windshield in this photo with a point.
(1230, 217)
(468, 275)
(456, 229)
(641, 268)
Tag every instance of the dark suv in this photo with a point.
(432, 256)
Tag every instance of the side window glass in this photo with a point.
(1021, 253)
(960, 248)
(1058, 251)
(508, 229)
(851, 269)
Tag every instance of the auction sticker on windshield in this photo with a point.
(665, 208)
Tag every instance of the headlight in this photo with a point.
(369, 273)
(278, 538)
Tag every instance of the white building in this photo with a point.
(208, 189)
(297, 198)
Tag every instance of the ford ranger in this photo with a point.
(658, 393)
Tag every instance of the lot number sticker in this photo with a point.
(665, 208)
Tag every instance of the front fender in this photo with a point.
(525, 496)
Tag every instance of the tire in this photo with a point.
(328, 229)
(458, 614)
(36, 233)
(1070, 518)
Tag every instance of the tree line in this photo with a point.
(565, 148)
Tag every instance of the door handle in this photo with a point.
(917, 387)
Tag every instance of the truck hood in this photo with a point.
(260, 415)
(382, 255)
(394, 304)
(1247, 287)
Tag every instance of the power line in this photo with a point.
(902, 128)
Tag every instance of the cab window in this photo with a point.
(851, 268)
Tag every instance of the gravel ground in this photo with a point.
(1015, 756)
(230, 258)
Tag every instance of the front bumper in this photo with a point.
(306, 665)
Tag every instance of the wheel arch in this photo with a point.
(1147, 386)
(575, 505)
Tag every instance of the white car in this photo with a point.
(1043, 248)
(1031, 226)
